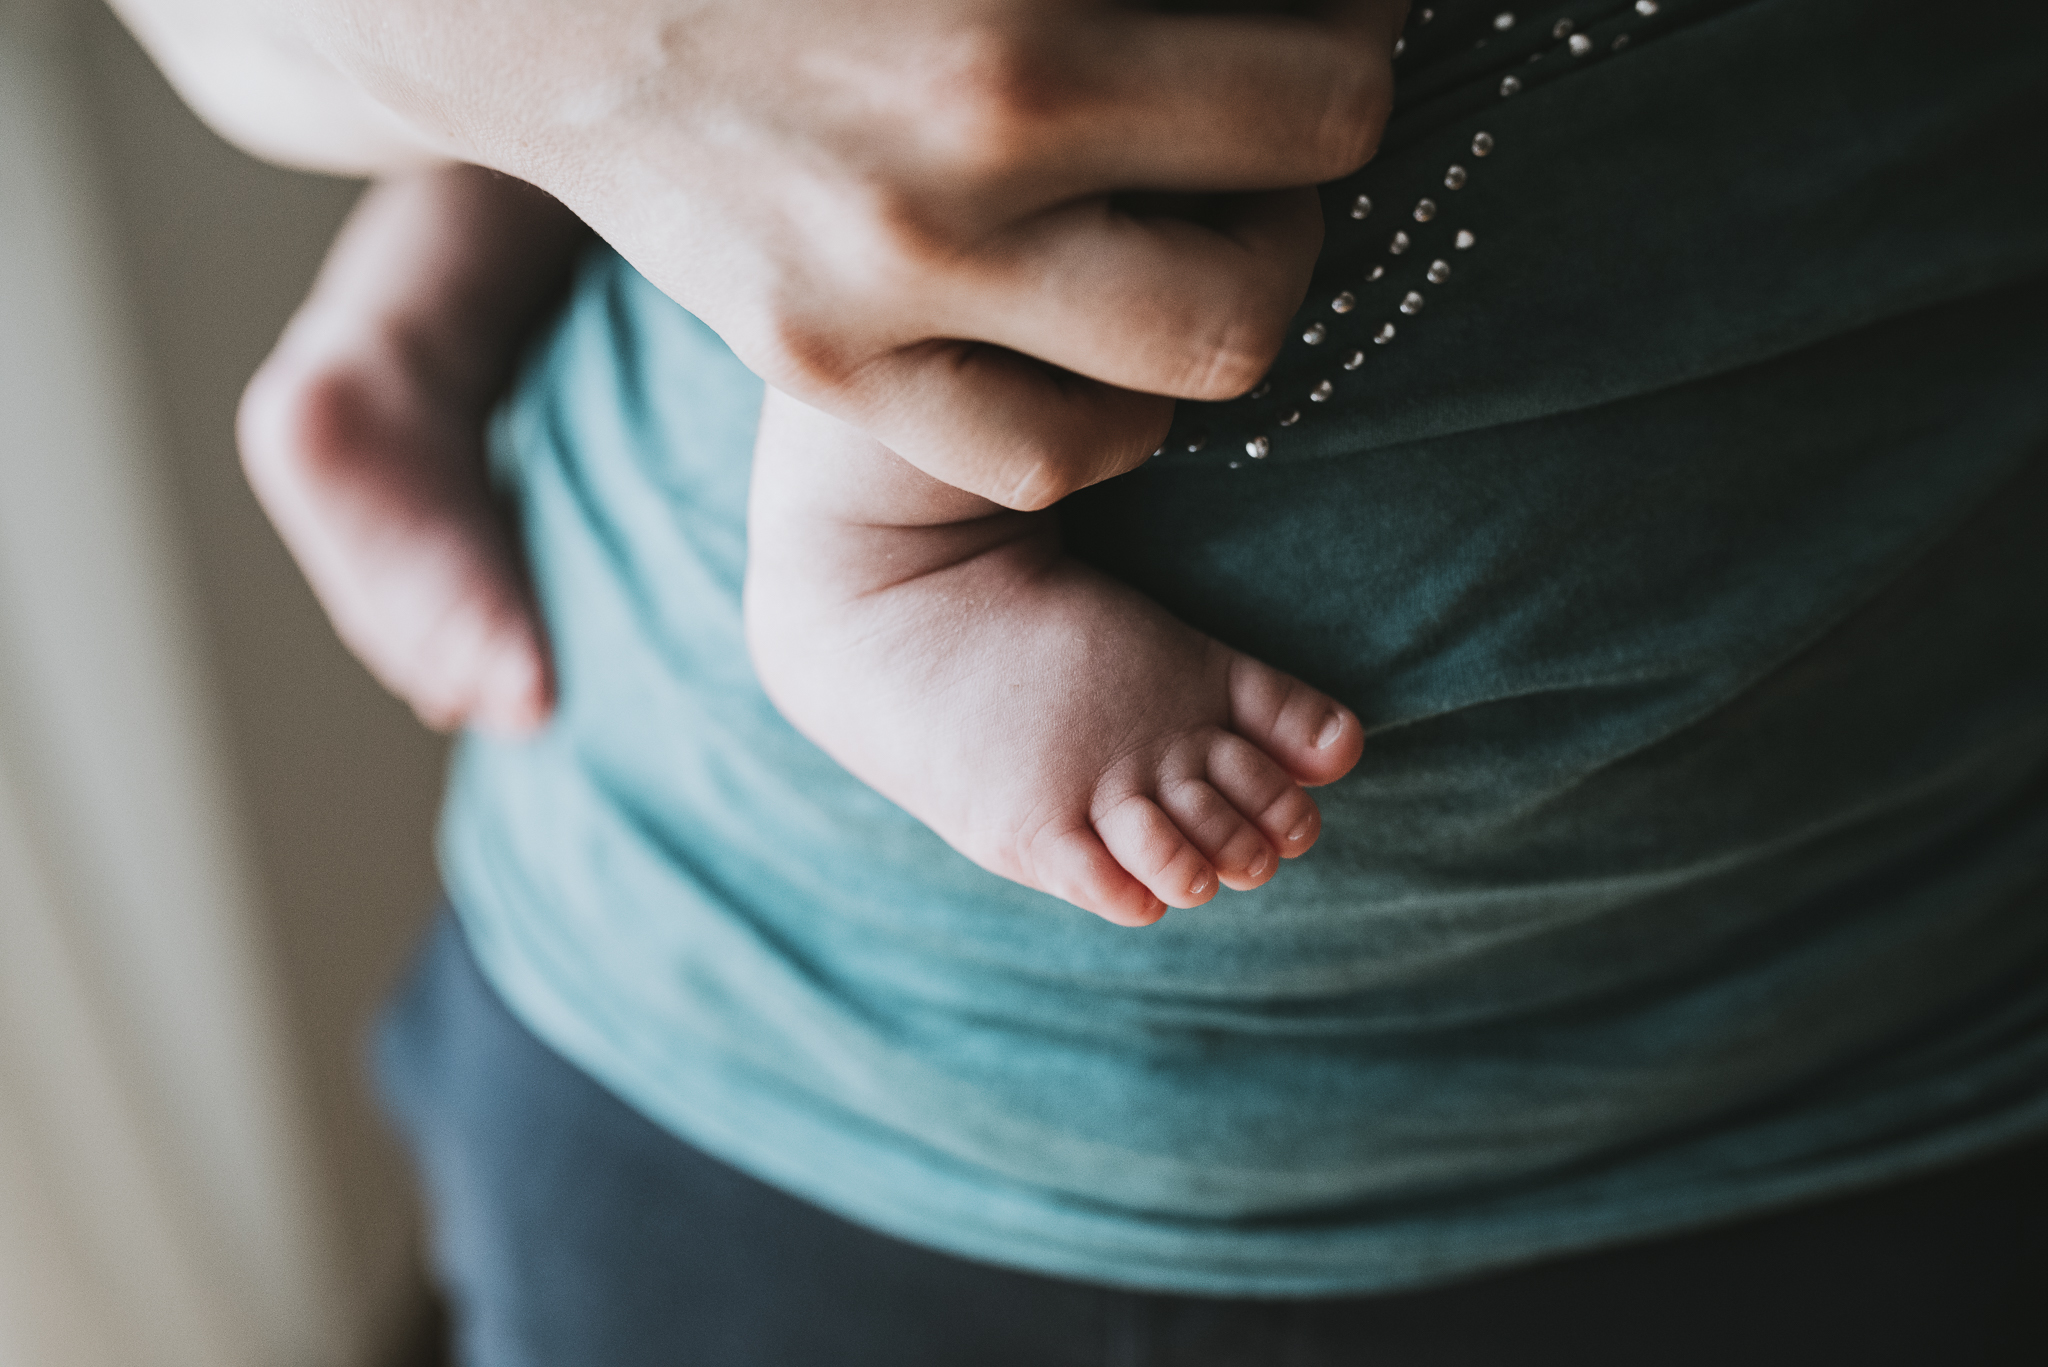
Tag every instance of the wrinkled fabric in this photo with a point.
(1684, 555)
(569, 1229)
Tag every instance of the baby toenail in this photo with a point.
(1300, 833)
(1200, 886)
(1258, 865)
(1332, 729)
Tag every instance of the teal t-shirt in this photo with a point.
(1685, 551)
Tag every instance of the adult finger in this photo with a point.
(1244, 102)
(1009, 428)
(1152, 302)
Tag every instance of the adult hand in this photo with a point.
(903, 212)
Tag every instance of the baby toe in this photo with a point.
(1152, 849)
(1252, 782)
(1310, 735)
(1076, 866)
(1233, 846)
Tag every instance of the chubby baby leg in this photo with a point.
(1047, 721)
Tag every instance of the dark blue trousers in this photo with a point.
(572, 1232)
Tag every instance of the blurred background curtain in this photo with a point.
(214, 831)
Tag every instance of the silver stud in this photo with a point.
(1535, 56)
(1425, 210)
(1581, 45)
(1238, 464)
(1197, 440)
(1439, 271)
(1464, 239)
(1400, 46)
(1314, 334)
(1482, 143)
(1454, 178)
(1264, 388)
(1257, 448)
(1560, 28)
(1427, 14)
(1411, 302)
(1510, 85)
(1385, 334)
(1361, 206)
(1354, 360)
(1344, 302)
(1376, 272)
(1293, 417)
(1399, 244)
(1620, 41)
(1505, 20)
(1646, 8)
(1322, 392)
(1157, 453)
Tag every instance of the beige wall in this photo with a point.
(334, 782)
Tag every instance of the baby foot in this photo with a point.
(1047, 721)
(374, 476)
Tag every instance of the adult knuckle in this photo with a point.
(910, 236)
(798, 353)
(887, 236)
(992, 96)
